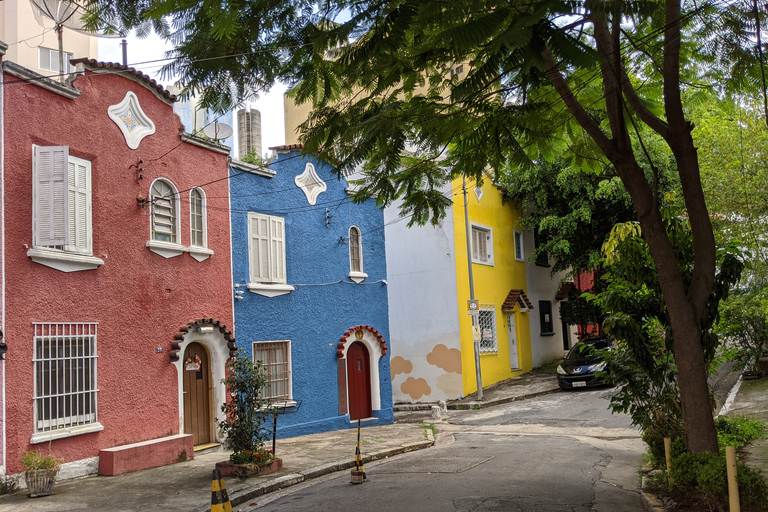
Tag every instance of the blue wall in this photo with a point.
(315, 316)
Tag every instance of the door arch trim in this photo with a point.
(377, 348)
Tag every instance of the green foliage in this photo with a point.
(744, 322)
(254, 159)
(255, 457)
(738, 431)
(245, 410)
(34, 460)
(706, 474)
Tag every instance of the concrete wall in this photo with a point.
(324, 302)
(426, 350)
(139, 298)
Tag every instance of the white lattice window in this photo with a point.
(275, 357)
(487, 321)
(197, 218)
(66, 391)
(519, 250)
(266, 245)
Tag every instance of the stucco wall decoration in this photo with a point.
(310, 183)
(131, 120)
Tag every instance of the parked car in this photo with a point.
(580, 366)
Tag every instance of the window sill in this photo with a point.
(52, 435)
(547, 334)
(166, 249)
(486, 263)
(357, 277)
(64, 261)
(270, 290)
(200, 253)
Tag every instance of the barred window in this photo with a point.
(275, 357)
(65, 375)
(487, 322)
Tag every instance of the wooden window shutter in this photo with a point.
(258, 247)
(79, 194)
(50, 196)
(277, 232)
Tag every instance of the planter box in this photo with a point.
(40, 482)
(248, 470)
(751, 375)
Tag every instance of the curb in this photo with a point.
(491, 403)
(240, 497)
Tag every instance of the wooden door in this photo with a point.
(359, 377)
(197, 395)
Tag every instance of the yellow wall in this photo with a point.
(491, 283)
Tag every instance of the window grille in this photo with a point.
(487, 322)
(65, 375)
(275, 359)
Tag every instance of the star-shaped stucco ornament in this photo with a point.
(131, 120)
(310, 183)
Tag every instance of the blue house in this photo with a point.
(310, 269)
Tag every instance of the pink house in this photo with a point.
(117, 286)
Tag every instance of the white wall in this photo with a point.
(423, 310)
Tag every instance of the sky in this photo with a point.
(141, 53)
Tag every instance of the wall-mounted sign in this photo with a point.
(473, 307)
(192, 365)
(359, 334)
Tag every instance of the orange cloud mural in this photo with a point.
(449, 359)
(415, 388)
(398, 365)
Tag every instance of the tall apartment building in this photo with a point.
(32, 40)
(249, 132)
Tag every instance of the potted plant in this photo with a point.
(40, 472)
(244, 413)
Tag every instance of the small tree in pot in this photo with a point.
(244, 414)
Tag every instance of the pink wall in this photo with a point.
(139, 299)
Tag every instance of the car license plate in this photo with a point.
(580, 384)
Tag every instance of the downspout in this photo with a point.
(3, 48)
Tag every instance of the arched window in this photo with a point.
(355, 250)
(197, 218)
(165, 212)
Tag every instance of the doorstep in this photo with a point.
(202, 449)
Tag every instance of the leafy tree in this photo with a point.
(545, 76)
(245, 410)
(745, 322)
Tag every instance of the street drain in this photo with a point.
(431, 465)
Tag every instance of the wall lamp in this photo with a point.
(204, 329)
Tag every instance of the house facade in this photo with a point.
(311, 278)
(432, 330)
(117, 273)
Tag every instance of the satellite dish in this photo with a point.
(218, 131)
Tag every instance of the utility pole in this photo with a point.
(475, 318)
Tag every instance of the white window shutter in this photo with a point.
(79, 191)
(277, 228)
(50, 196)
(258, 241)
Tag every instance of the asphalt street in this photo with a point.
(561, 452)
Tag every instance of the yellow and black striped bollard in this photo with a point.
(219, 497)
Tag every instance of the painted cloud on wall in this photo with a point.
(400, 365)
(449, 359)
(415, 388)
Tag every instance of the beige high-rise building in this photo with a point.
(248, 133)
(33, 43)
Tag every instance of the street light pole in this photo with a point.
(475, 319)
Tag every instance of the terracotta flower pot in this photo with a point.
(40, 481)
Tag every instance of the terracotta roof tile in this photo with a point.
(287, 147)
(565, 288)
(515, 297)
(94, 64)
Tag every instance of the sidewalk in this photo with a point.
(186, 486)
(750, 399)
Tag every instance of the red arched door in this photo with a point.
(359, 376)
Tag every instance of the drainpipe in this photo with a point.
(475, 319)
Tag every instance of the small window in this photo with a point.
(545, 317)
(197, 218)
(355, 250)
(49, 60)
(457, 71)
(65, 380)
(482, 245)
(542, 259)
(165, 208)
(519, 249)
(275, 357)
(266, 247)
(487, 322)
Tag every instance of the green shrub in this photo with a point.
(706, 474)
(656, 452)
(738, 431)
